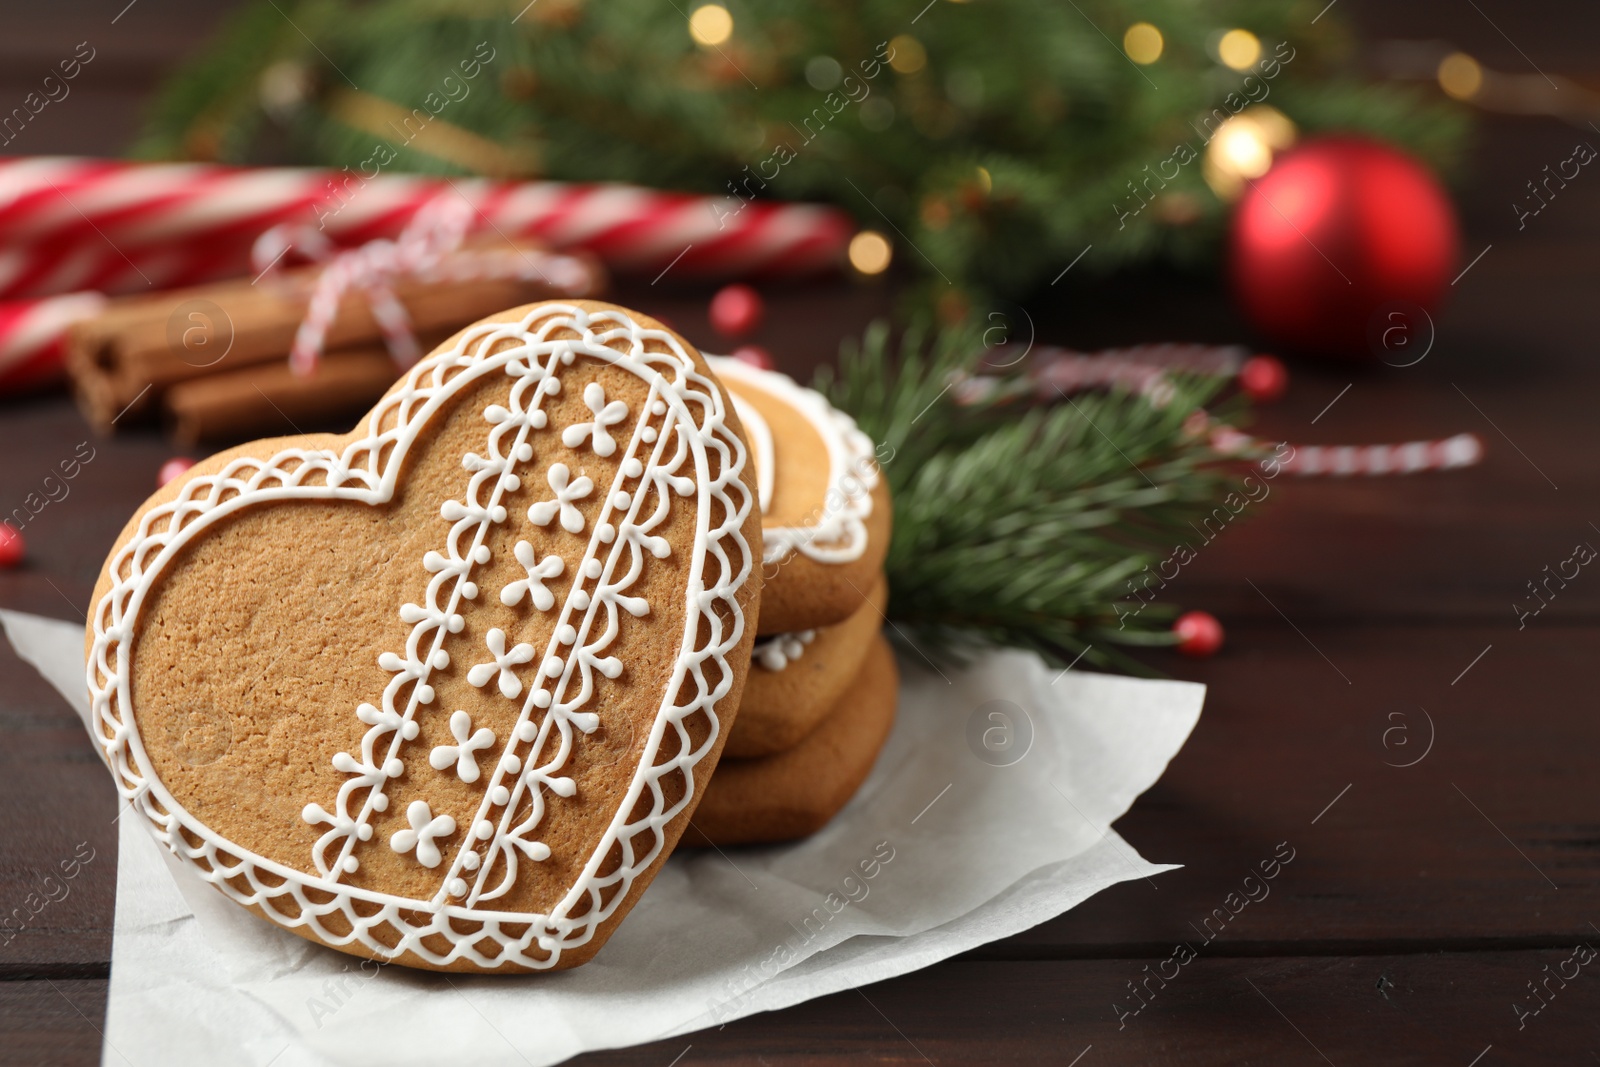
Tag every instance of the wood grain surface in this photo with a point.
(1379, 706)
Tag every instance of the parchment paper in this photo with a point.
(986, 814)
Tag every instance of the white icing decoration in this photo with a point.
(762, 452)
(500, 667)
(538, 573)
(567, 489)
(420, 834)
(605, 415)
(464, 752)
(778, 651)
(366, 471)
(513, 844)
(471, 518)
(838, 532)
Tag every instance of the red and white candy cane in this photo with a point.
(72, 224)
(31, 336)
(1056, 372)
(428, 250)
(33, 332)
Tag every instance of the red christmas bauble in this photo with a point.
(756, 356)
(172, 468)
(1199, 634)
(12, 547)
(736, 310)
(1264, 379)
(1340, 230)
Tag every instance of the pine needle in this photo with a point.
(1025, 527)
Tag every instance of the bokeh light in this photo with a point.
(1460, 75)
(1143, 43)
(710, 25)
(1243, 147)
(906, 54)
(1239, 49)
(870, 252)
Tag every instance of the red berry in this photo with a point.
(756, 356)
(1199, 634)
(12, 548)
(736, 310)
(1264, 378)
(172, 468)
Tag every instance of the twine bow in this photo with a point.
(429, 249)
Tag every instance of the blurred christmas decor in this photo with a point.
(12, 548)
(1030, 520)
(1047, 499)
(992, 142)
(1338, 233)
(1463, 77)
(1199, 634)
(89, 227)
(68, 224)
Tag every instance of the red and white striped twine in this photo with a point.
(1441, 454)
(1053, 373)
(1341, 461)
(429, 249)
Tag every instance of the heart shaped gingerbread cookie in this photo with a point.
(445, 690)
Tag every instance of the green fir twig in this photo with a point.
(1026, 527)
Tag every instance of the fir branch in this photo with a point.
(1025, 528)
(1021, 138)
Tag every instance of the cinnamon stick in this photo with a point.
(124, 360)
(269, 400)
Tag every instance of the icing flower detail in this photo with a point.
(455, 511)
(777, 652)
(594, 395)
(423, 829)
(637, 606)
(567, 489)
(504, 660)
(537, 851)
(532, 371)
(464, 752)
(503, 416)
(656, 546)
(387, 720)
(538, 573)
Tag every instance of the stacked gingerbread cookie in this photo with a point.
(446, 690)
(821, 693)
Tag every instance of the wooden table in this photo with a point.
(1370, 624)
